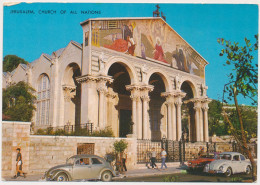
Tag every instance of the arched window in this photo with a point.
(43, 101)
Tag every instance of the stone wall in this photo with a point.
(40, 153)
(48, 151)
(14, 135)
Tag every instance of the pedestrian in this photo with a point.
(153, 158)
(19, 164)
(124, 158)
(163, 157)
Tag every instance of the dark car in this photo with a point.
(81, 167)
(197, 165)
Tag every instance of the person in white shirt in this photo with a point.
(153, 158)
(163, 157)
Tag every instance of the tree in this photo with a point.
(243, 81)
(216, 125)
(119, 147)
(249, 116)
(18, 102)
(11, 62)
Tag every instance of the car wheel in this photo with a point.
(61, 177)
(248, 170)
(106, 176)
(228, 172)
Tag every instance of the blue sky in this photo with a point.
(28, 36)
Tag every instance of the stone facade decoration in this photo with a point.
(127, 70)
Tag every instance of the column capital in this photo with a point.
(145, 98)
(102, 90)
(135, 97)
(205, 108)
(91, 78)
(197, 107)
(133, 87)
(148, 88)
(69, 92)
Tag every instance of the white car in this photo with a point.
(229, 163)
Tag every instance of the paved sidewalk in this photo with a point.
(144, 171)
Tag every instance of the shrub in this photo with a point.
(171, 178)
(120, 146)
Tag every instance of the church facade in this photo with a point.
(135, 75)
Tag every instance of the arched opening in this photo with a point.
(123, 106)
(188, 113)
(72, 95)
(157, 107)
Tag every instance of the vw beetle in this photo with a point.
(229, 163)
(81, 167)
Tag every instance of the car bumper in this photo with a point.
(215, 172)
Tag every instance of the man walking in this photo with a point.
(153, 158)
(163, 157)
(19, 164)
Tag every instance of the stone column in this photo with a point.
(178, 103)
(174, 126)
(206, 129)
(171, 118)
(102, 90)
(146, 125)
(201, 125)
(101, 107)
(136, 110)
(89, 99)
(205, 111)
(134, 113)
(139, 118)
(178, 107)
(197, 108)
(145, 97)
(69, 111)
(111, 113)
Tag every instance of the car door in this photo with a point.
(243, 163)
(236, 164)
(97, 166)
(82, 170)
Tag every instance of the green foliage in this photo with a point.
(171, 178)
(244, 76)
(11, 62)
(120, 146)
(216, 125)
(18, 102)
(249, 117)
(107, 132)
(236, 179)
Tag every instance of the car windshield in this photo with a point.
(70, 161)
(224, 156)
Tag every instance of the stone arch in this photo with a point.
(163, 75)
(72, 94)
(188, 112)
(130, 68)
(192, 86)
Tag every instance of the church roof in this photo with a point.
(59, 52)
(77, 44)
(120, 18)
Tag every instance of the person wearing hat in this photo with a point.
(19, 164)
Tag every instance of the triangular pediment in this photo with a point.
(147, 38)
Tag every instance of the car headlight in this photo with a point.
(221, 168)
